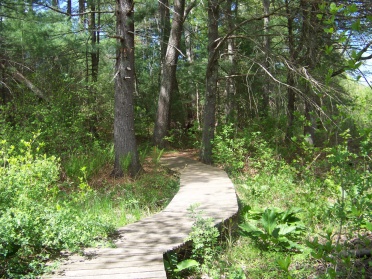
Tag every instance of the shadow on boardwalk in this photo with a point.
(141, 245)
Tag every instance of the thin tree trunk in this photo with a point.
(211, 84)
(266, 47)
(309, 127)
(81, 11)
(69, 8)
(189, 50)
(164, 27)
(94, 42)
(168, 74)
(290, 77)
(230, 81)
(124, 135)
(312, 33)
(291, 95)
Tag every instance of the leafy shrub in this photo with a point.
(273, 228)
(35, 225)
(229, 150)
(204, 236)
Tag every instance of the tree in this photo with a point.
(168, 74)
(94, 25)
(266, 49)
(231, 57)
(124, 134)
(209, 120)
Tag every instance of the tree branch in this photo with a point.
(358, 58)
(188, 9)
(227, 36)
(72, 14)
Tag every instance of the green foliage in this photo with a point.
(204, 238)
(273, 228)
(156, 155)
(91, 160)
(35, 224)
(228, 149)
(174, 268)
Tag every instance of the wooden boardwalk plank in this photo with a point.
(141, 245)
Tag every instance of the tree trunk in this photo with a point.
(211, 84)
(69, 8)
(291, 95)
(188, 44)
(94, 54)
(309, 127)
(81, 11)
(164, 27)
(168, 75)
(230, 81)
(266, 48)
(313, 32)
(290, 106)
(124, 135)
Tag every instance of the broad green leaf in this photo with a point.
(317, 255)
(269, 220)
(333, 7)
(356, 25)
(285, 229)
(352, 8)
(275, 232)
(329, 30)
(186, 264)
(250, 229)
(368, 226)
(289, 215)
(284, 262)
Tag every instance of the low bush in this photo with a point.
(35, 224)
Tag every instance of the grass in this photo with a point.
(123, 201)
(117, 202)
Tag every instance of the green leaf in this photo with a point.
(284, 263)
(317, 255)
(368, 226)
(250, 229)
(356, 25)
(285, 229)
(333, 7)
(352, 8)
(328, 49)
(275, 232)
(269, 220)
(329, 30)
(186, 264)
(288, 216)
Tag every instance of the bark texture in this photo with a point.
(230, 80)
(94, 30)
(124, 135)
(211, 84)
(266, 88)
(168, 74)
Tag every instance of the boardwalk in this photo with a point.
(141, 245)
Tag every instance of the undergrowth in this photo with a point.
(306, 214)
(42, 212)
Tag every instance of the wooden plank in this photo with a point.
(140, 246)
